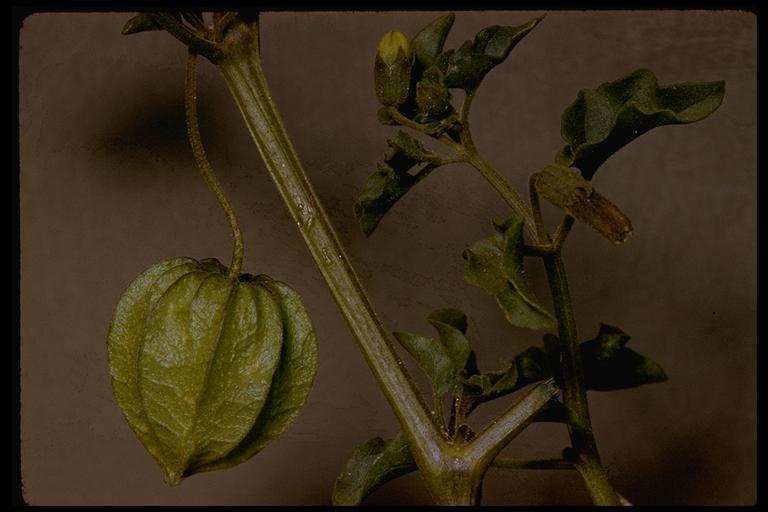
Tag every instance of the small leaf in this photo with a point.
(371, 465)
(392, 180)
(609, 365)
(428, 43)
(490, 262)
(603, 120)
(382, 190)
(567, 189)
(512, 260)
(474, 59)
(140, 23)
(405, 152)
(451, 316)
(432, 357)
(451, 325)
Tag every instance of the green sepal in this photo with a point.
(371, 465)
(474, 59)
(603, 120)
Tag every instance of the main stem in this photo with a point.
(241, 68)
(574, 389)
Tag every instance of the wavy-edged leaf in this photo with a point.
(382, 190)
(526, 368)
(292, 381)
(609, 364)
(392, 180)
(405, 152)
(474, 59)
(428, 43)
(451, 325)
(432, 356)
(490, 263)
(371, 465)
(603, 120)
(567, 189)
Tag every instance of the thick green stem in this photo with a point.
(574, 389)
(193, 131)
(241, 68)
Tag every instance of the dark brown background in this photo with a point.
(108, 187)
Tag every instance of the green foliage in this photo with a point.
(392, 180)
(609, 364)
(526, 368)
(140, 23)
(496, 265)
(432, 356)
(208, 369)
(468, 65)
(371, 465)
(603, 120)
(428, 43)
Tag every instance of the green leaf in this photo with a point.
(405, 152)
(291, 383)
(382, 190)
(526, 368)
(432, 357)
(140, 23)
(371, 465)
(392, 180)
(451, 325)
(567, 189)
(603, 120)
(474, 59)
(428, 43)
(495, 265)
(609, 364)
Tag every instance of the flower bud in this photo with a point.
(392, 69)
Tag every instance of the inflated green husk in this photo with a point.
(208, 368)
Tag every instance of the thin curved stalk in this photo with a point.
(193, 131)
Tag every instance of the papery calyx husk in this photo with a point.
(208, 368)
